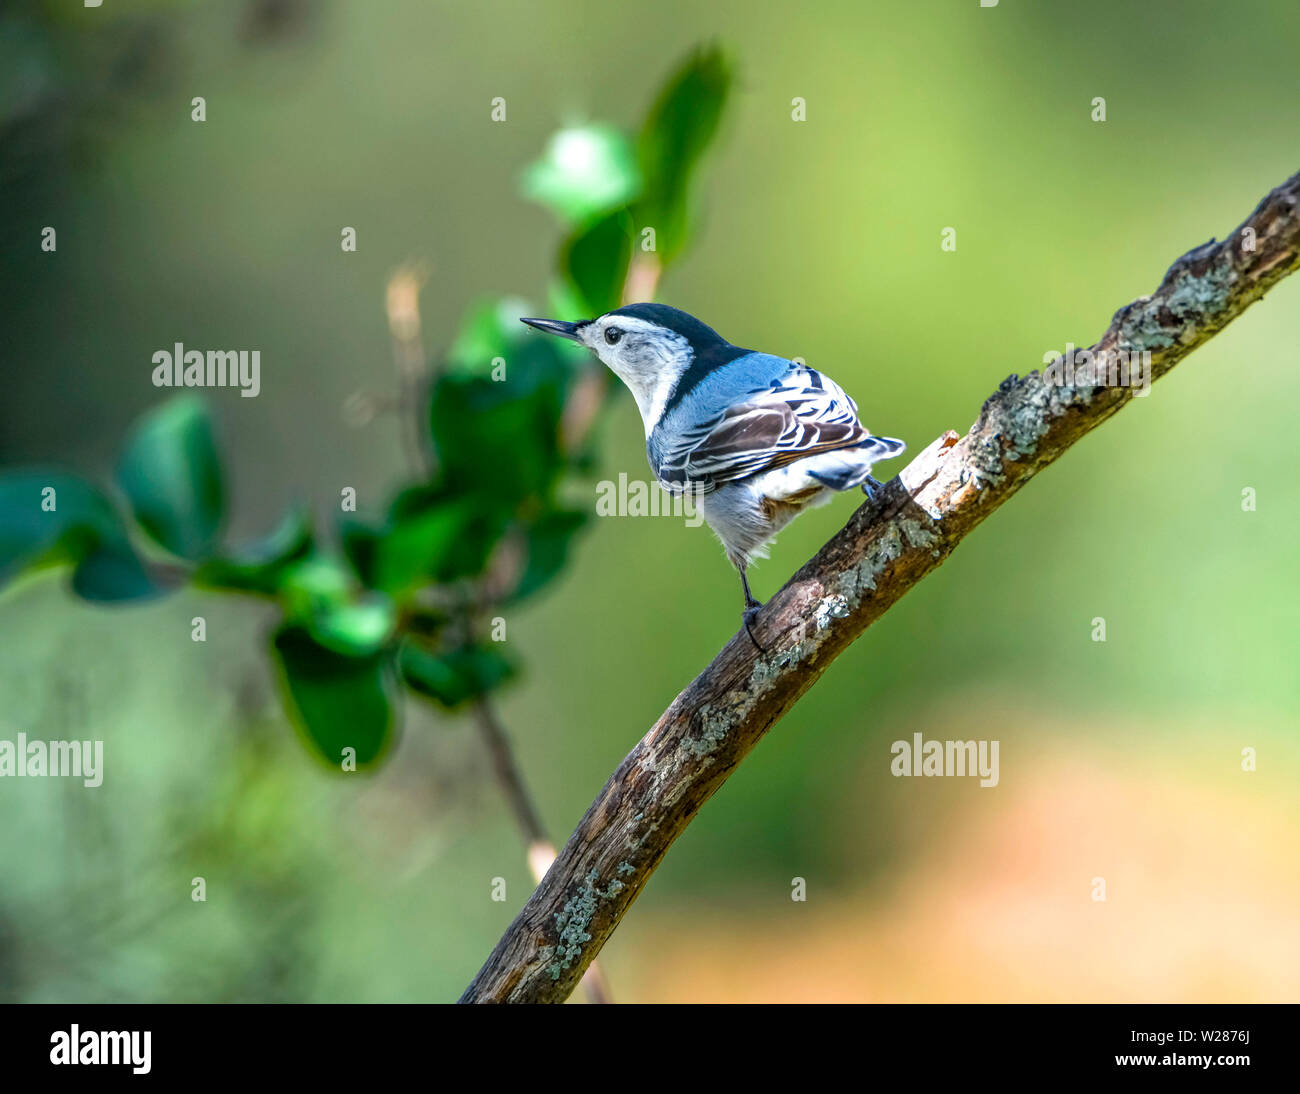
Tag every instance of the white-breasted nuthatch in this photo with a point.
(756, 438)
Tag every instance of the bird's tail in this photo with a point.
(845, 468)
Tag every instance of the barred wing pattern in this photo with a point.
(799, 415)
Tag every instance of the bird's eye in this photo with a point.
(612, 335)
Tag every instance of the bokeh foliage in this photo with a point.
(400, 606)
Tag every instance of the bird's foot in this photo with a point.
(748, 616)
(871, 486)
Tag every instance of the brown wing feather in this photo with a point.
(762, 436)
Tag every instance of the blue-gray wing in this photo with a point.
(799, 414)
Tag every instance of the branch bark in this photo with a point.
(541, 853)
(887, 546)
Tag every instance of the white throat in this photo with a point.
(651, 400)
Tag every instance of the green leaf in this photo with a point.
(171, 473)
(112, 572)
(320, 594)
(585, 171)
(596, 260)
(360, 543)
(563, 298)
(547, 543)
(33, 534)
(490, 330)
(499, 441)
(82, 528)
(454, 677)
(412, 550)
(468, 530)
(315, 585)
(431, 535)
(356, 628)
(481, 530)
(260, 566)
(680, 126)
(422, 540)
(336, 701)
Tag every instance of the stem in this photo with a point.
(507, 774)
(402, 305)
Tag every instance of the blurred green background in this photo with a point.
(818, 239)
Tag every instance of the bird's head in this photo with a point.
(649, 347)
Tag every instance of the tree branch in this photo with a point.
(541, 853)
(887, 547)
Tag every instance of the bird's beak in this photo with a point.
(557, 327)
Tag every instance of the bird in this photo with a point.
(755, 438)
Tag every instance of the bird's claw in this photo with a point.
(871, 487)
